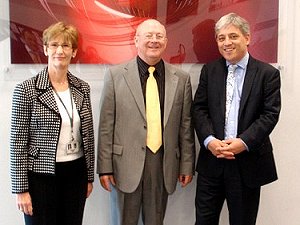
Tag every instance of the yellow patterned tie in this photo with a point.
(154, 134)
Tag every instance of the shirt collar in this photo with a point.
(143, 67)
(242, 63)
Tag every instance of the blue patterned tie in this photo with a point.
(229, 89)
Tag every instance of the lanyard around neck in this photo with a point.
(71, 117)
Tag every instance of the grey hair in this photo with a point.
(233, 19)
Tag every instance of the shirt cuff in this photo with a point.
(246, 146)
(104, 174)
(208, 139)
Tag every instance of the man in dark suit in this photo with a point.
(236, 156)
(144, 175)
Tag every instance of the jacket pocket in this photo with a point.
(118, 150)
(177, 153)
(33, 153)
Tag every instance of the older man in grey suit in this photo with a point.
(144, 177)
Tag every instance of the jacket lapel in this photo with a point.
(45, 90)
(77, 95)
(220, 79)
(171, 81)
(248, 83)
(131, 76)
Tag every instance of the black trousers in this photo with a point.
(59, 199)
(242, 201)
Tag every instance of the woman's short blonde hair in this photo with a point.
(69, 32)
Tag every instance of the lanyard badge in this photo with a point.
(73, 145)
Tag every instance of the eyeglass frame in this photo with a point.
(54, 46)
(150, 36)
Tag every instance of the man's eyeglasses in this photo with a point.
(151, 36)
(54, 46)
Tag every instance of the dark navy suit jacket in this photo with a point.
(258, 114)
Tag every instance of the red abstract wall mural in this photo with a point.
(107, 27)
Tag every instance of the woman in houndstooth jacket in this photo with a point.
(52, 137)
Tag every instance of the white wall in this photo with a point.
(279, 201)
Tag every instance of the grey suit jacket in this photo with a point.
(123, 127)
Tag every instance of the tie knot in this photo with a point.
(151, 70)
(232, 68)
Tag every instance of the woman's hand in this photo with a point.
(89, 189)
(24, 203)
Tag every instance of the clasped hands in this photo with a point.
(226, 149)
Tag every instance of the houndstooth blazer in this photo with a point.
(35, 128)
